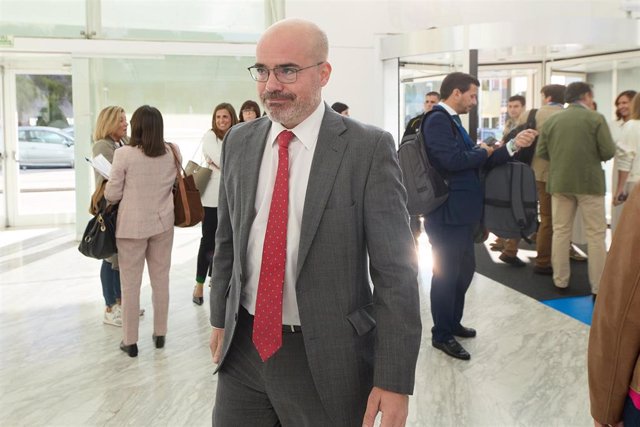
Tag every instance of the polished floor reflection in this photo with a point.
(61, 366)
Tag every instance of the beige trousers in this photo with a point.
(131, 255)
(563, 212)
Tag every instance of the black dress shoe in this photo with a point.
(512, 260)
(463, 332)
(452, 348)
(131, 349)
(158, 340)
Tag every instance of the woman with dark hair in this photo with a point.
(141, 180)
(623, 114)
(224, 116)
(340, 108)
(249, 111)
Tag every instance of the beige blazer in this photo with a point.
(143, 186)
(614, 341)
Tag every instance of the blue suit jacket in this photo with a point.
(460, 164)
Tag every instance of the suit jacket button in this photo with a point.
(235, 318)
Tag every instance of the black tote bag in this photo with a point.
(99, 237)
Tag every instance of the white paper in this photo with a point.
(101, 165)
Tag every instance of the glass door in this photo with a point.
(40, 147)
(498, 84)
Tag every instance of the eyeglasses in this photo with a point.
(283, 74)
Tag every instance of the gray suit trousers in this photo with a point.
(278, 392)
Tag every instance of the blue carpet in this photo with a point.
(580, 308)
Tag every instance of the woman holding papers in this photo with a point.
(141, 180)
(110, 133)
(224, 116)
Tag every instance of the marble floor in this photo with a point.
(60, 365)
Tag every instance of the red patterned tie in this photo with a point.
(267, 323)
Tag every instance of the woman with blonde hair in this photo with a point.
(110, 133)
(627, 154)
(142, 178)
(224, 116)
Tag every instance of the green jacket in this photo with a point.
(576, 141)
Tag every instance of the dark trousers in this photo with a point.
(110, 280)
(207, 243)
(630, 414)
(453, 266)
(278, 392)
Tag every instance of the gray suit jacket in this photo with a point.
(355, 206)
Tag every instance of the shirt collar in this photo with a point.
(448, 109)
(306, 132)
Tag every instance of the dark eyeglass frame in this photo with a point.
(284, 74)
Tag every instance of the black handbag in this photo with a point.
(99, 237)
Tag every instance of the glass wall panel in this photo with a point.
(45, 144)
(42, 18)
(496, 88)
(184, 88)
(194, 20)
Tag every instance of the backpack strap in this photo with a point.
(517, 204)
(443, 111)
(531, 119)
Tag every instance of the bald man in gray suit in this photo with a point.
(345, 351)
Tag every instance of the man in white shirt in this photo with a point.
(311, 204)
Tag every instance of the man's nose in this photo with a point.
(272, 82)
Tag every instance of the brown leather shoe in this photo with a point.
(546, 271)
(512, 260)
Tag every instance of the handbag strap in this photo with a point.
(182, 191)
(196, 152)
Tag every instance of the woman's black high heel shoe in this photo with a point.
(158, 340)
(131, 349)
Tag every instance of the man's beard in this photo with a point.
(293, 113)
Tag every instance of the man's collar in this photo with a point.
(448, 109)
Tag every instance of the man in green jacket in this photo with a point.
(576, 141)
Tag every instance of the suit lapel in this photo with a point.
(324, 168)
(253, 146)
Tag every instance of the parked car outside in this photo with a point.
(69, 131)
(44, 147)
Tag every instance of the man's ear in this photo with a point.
(325, 73)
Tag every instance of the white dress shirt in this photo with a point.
(301, 149)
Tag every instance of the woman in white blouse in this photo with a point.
(627, 154)
(224, 116)
(623, 113)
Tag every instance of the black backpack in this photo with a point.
(524, 155)
(426, 188)
(511, 201)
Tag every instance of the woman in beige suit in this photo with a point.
(141, 179)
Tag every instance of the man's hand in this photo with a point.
(394, 408)
(525, 138)
(215, 343)
(619, 198)
(489, 149)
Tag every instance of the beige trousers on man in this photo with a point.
(563, 212)
(132, 254)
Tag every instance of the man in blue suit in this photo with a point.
(451, 227)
